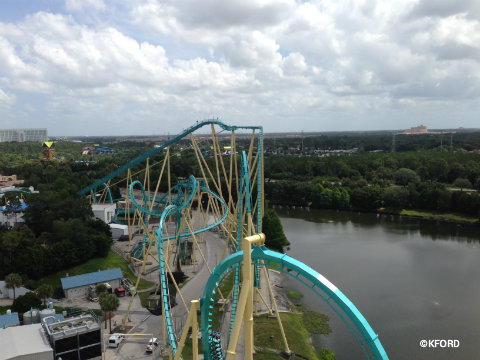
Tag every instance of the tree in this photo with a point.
(405, 176)
(44, 291)
(25, 302)
(462, 184)
(101, 289)
(108, 303)
(272, 228)
(366, 198)
(13, 281)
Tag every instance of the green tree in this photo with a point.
(272, 228)
(366, 198)
(25, 302)
(395, 197)
(44, 291)
(462, 184)
(405, 176)
(101, 289)
(108, 303)
(13, 281)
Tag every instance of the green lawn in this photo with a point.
(111, 261)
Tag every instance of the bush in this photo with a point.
(58, 293)
(327, 354)
(25, 302)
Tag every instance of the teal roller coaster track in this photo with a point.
(260, 255)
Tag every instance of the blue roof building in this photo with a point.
(77, 286)
(9, 320)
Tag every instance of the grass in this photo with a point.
(433, 215)
(294, 295)
(112, 260)
(268, 337)
(316, 323)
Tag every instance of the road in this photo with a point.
(145, 323)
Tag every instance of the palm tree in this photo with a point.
(44, 291)
(108, 303)
(13, 281)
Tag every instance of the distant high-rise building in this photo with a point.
(21, 135)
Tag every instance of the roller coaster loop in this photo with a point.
(358, 325)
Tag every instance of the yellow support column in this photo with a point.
(245, 303)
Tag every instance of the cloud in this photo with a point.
(6, 100)
(83, 5)
(444, 8)
(285, 62)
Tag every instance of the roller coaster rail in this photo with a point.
(233, 216)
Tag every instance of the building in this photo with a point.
(6, 293)
(118, 231)
(11, 219)
(415, 130)
(77, 338)
(21, 135)
(9, 319)
(25, 343)
(77, 286)
(9, 180)
(104, 212)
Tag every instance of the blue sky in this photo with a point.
(101, 67)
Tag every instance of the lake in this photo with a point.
(412, 279)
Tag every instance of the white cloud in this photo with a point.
(6, 99)
(82, 5)
(170, 60)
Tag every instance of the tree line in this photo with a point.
(364, 181)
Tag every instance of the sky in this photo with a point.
(152, 67)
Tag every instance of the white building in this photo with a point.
(104, 212)
(25, 343)
(118, 230)
(21, 135)
(6, 293)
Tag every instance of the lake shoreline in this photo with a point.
(416, 214)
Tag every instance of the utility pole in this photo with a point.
(441, 143)
(393, 143)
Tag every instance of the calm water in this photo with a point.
(411, 279)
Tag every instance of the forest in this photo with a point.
(364, 181)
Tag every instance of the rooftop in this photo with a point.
(9, 320)
(73, 326)
(70, 282)
(12, 342)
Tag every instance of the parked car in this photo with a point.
(120, 291)
(151, 345)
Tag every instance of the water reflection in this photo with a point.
(394, 224)
(412, 279)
